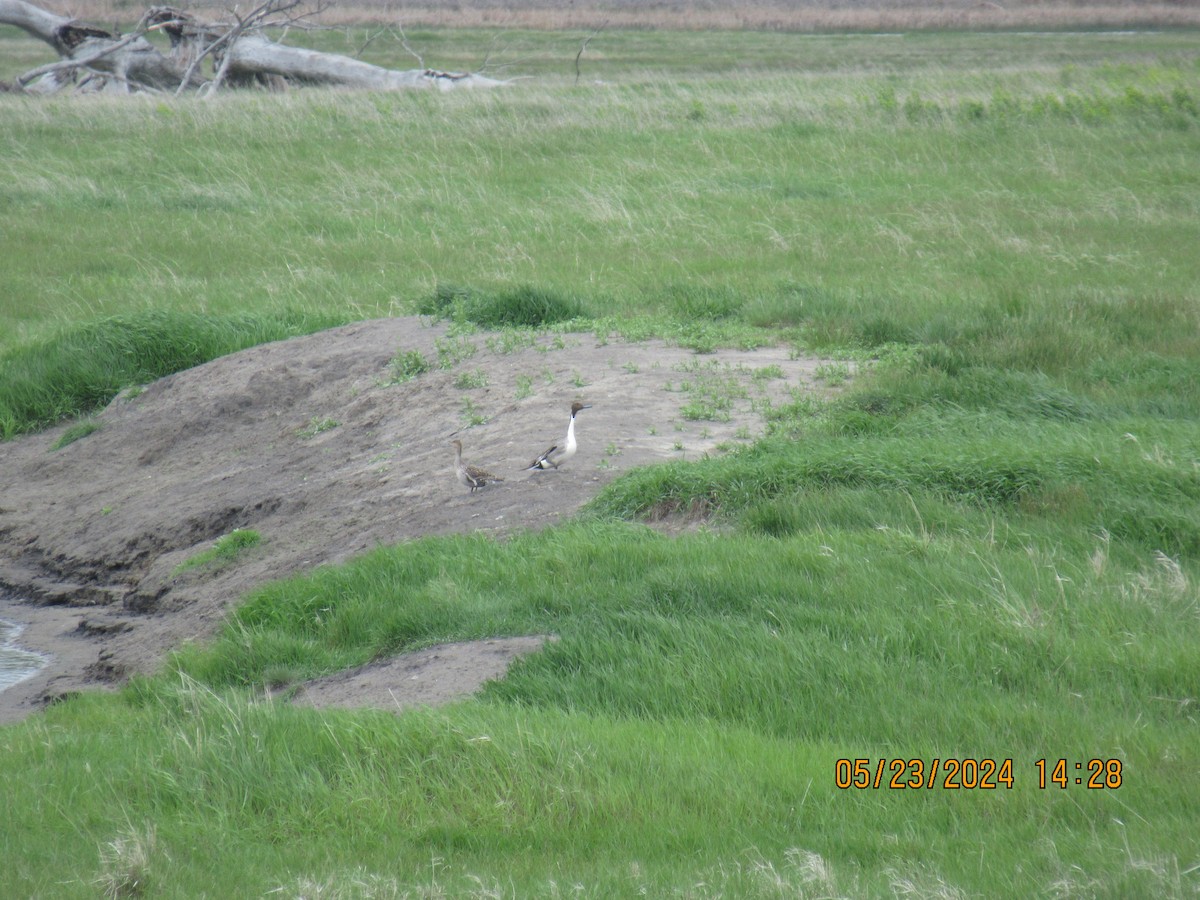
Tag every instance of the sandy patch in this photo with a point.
(429, 677)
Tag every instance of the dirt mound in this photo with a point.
(311, 443)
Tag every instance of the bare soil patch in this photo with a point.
(429, 677)
(308, 443)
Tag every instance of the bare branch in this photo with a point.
(493, 47)
(229, 37)
(257, 19)
(587, 40)
(367, 43)
(404, 43)
(198, 58)
(113, 76)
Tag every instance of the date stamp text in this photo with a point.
(985, 774)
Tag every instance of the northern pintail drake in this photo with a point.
(471, 476)
(559, 454)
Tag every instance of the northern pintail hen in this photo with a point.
(471, 476)
(557, 455)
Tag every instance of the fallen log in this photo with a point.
(204, 56)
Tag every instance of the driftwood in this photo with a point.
(203, 56)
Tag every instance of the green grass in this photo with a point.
(81, 367)
(698, 682)
(471, 380)
(1010, 200)
(1096, 477)
(317, 425)
(521, 307)
(987, 546)
(407, 365)
(76, 432)
(225, 551)
(1063, 178)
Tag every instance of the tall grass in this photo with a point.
(751, 631)
(701, 685)
(922, 204)
(1097, 477)
(869, 193)
(522, 307)
(83, 367)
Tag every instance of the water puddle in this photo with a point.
(16, 663)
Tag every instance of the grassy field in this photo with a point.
(796, 16)
(987, 550)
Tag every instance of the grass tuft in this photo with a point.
(407, 365)
(76, 432)
(224, 552)
(126, 865)
(517, 307)
(317, 425)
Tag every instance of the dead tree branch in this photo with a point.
(404, 43)
(257, 19)
(236, 52)
(582, 47)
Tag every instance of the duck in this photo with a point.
(556, 456)
(471, 476)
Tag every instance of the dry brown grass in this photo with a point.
(772, 15)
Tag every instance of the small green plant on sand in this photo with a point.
(407, 365)
(765, 373)
(833, 374)
(224, 551)
(453, 350)
(712, 391)
(75, 432)
(467, 380)
(317, 425)
(511, 340)
(471, 414)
